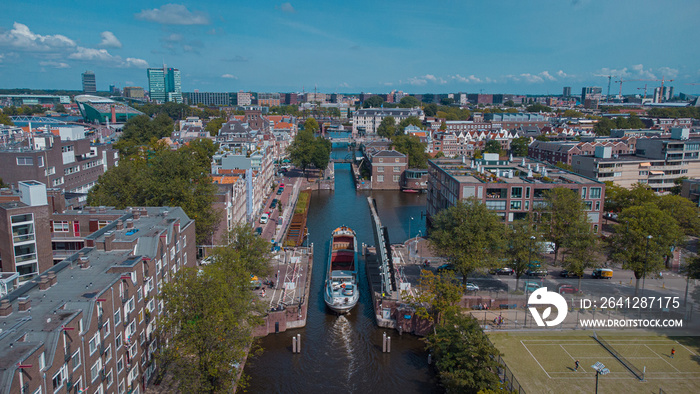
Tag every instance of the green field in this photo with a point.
(544, 363)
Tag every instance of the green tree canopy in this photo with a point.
(387, 128)
(522, 239)
(430, 109)
(563, 218)
(538, 108)
(492, 146)
(519, 146)
(321, 153)
(210, 314)
(214, 125)
(311, 125)
(306, 150)
(139, 131)
(409, 102)
(411, 120)
(5, 119)
(469, 235)
(631, 245)
(373, 102)
(164, 178)
(411, 146)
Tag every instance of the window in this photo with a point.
(38, 391)
(527, 192)
(397, 178)
(589, 205)
(380, 178)
(108, 353)
(120, 365)
(396, 160)
(25, 161)
(496, 205)
(380, 169)
(140, 316)
(516, 192)
(597, 205)
(133, 351)
(129, 307)
(59, 378)
(42, 361)
(94, 343)
(515, 205)
(640, 173)
(106, 329)
(27, 217)
(95, 370)
(75, 360)
(397, 169)
(71, 170)
(583, 192)
(184, 241)
(110, 378)
(595, 192)
(67, 148)
(61, 226)
(595, 228)
(381, 160)
(118, 341)
(122, 387)
(58, 181)
(41, 161)
(117, 317)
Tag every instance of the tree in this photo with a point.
(519, 146)
(571, 113)
(301, 149)
(411, 120)
(5, 119)
(436, 296)
(678, 185)
(469, 235)
(321, 153)
(373, 102)
(447, 101)
(509, 103)
(563, 217)
(311, 124)
(492, 146)
(411, 146)
(387, 128)
(210, 314)
(430, 109)
(522, 246)
(214, 125)
(538, 108)
(564, 166)
(603, 127)
(465, 358)
(617, 198)
(60, 108)
(409, 102)
(439, 154)
(630, 244)
(164, 178)
(139, 131)
(683, 211)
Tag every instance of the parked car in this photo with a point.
(258, 231)
(570, 289)
(538, 272)
(568, 274)
(471, 287)
(531, 286)
(279, 191)
(446, 267)
(264, 217)
(273, 205)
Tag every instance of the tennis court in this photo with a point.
(546, 362)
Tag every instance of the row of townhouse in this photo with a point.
(87, 323)
(564, 151)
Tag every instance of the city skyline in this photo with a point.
(451, 46)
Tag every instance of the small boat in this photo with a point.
(409, 191)
(341, 291)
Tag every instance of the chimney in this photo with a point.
(109, 238)
(24, 304)
(130, 223)
(137, 214)
(5, 308)
(83, 260)
(44, 283)
(120, 225)
(52, 278)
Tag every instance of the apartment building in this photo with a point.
(366, 121)
(557, 151)
(657, 162)
(511, 188)
(67, 161)
(87, 324)
(387, 168)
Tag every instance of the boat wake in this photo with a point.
(343, 336)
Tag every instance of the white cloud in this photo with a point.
(287, 7)
(54, 64)
(22, 38)
(173, 14)
(136, 63)
(668, 72)
(90, 54)
(417, 81)
(547, 76)
(109, 40)
(229, 76)
(562, 74)
(344, 85)
(468, 79)
(532, 78)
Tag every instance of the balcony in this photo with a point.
(25, 257)
(22, 238)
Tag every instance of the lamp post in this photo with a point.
(409, 227)
(527, 288)
(599, 370)
(646, 258)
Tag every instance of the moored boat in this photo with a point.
(341, 292)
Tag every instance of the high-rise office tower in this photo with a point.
(89, 84)
(164, 84)
(567, 91)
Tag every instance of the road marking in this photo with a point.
(538, 363)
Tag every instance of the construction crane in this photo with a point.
(627, 80)
(645, 91)
(662, 80)
(609, 77)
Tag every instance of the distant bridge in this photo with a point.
(36, 119)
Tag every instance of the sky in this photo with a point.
(440, 46)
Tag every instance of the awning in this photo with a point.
(645, 165)
(656, 172)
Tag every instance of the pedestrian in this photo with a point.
(673, 352)
(263, 293)
(576, 363)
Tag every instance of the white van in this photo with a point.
(264, 218)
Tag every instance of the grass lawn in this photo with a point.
(544, 362)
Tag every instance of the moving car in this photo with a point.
(601, 273)
(471, 287)
(446, 267)
(279, 191)
(531, 286)
(570, 289)
(568, 274)
(265, 217)
(505, 271)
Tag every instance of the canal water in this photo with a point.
(344, 353)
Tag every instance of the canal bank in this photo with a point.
(345, 352)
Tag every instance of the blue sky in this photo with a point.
(528, 47)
